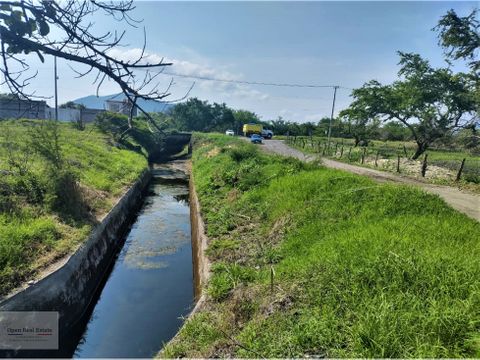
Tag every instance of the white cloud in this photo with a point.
(194, 69)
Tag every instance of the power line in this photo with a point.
(334, 87)
(253, 82)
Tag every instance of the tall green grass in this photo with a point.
(309, 261)
(35, 198)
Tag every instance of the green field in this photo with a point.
(309, 261)
(47, 209)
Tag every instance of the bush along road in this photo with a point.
(312, 261)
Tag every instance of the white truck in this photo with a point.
(267, 134)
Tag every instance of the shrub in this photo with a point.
(65, 197)
(239, 154)
(226, 278)
(30, 187)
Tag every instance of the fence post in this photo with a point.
(272, 276)
(363, 154)
(398, 163)
(349, 153)
(336, 147)
(424, 165)
(341, 152)
(459, 174)
(376, 158)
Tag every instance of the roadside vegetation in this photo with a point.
(309, 261)
(56, 183)
(441, 166)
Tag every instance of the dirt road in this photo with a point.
(467, 203)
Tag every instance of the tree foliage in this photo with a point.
(394, 131)
(430, 102)
(72, 105)
(460, 37)
(198, 115)
(361, 126)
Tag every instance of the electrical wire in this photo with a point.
(253, 82)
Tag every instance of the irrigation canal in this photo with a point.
(150, 286)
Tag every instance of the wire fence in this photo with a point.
(444, 164)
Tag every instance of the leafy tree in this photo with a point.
(429, 102)
(468, 138)
(72, 105)
(198, 115)
(322, 127)
(460, 37)
(308, 128)
(394, 131)
(223, 117)
(280, 126)
(192, 115)
(360, 126)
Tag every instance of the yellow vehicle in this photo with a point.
(250, 129)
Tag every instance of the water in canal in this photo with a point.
(151, 285)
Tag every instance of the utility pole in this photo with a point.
(56, 90)
(331, 116)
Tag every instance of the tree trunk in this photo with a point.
(421, 148)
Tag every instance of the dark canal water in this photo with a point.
(151, 285)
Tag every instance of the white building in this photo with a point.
(120, 106)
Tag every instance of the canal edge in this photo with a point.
(201, 263)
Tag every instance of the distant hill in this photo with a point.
(94, 102)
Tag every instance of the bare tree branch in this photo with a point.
(25, 27)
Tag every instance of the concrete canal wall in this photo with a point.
(201, 264)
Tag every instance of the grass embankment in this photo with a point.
(314, 261)
(53, 192)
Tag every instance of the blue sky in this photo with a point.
(338, 43)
